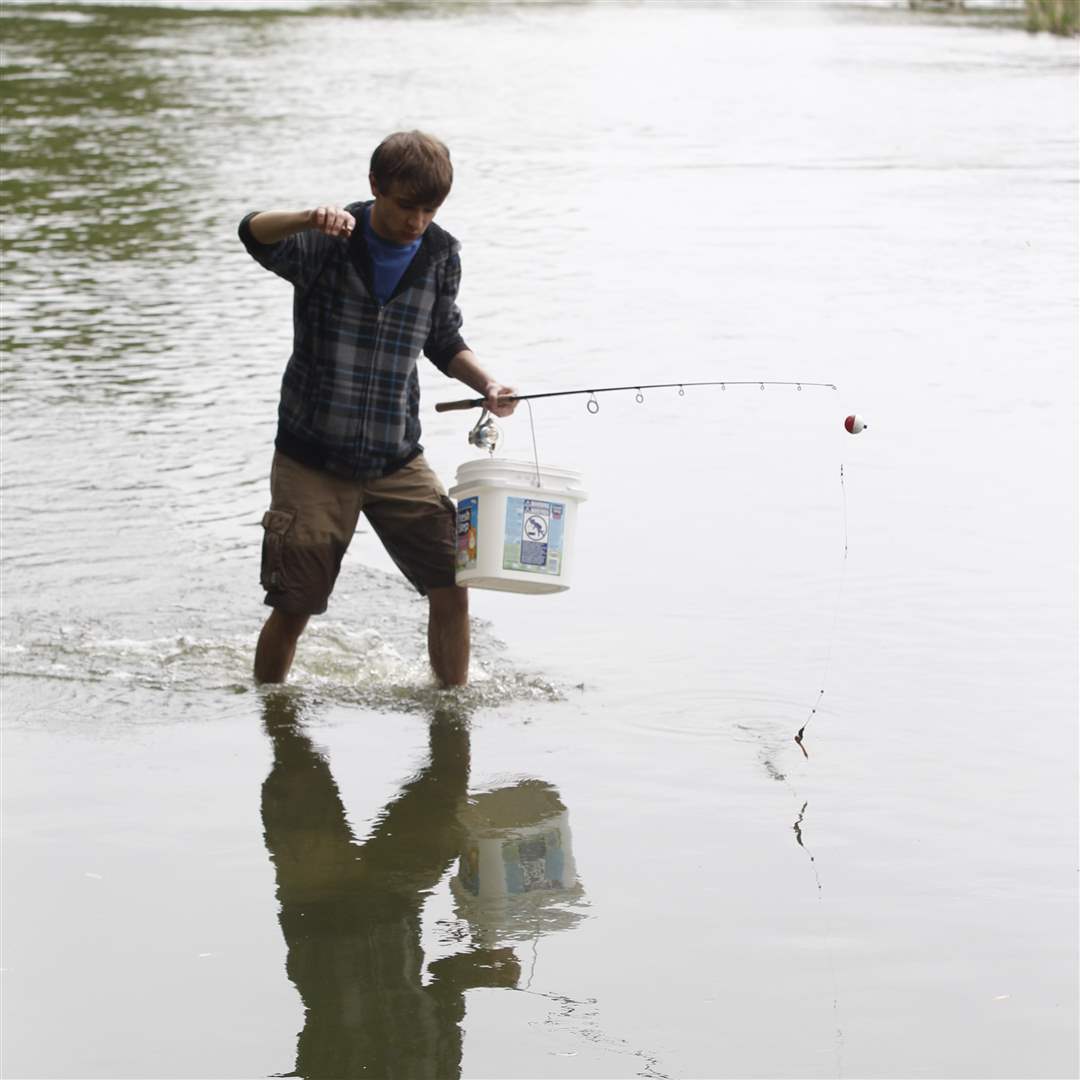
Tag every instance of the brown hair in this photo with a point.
(416, 163)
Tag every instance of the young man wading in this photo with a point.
(375, 284)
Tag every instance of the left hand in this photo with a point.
(492, 393)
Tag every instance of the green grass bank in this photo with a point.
(1053, 16)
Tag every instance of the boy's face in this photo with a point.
(397, 219)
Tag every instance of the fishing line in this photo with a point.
(836, 613)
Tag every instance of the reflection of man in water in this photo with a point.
(350, 911)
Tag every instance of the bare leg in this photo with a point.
(448, 635)
(277, 646)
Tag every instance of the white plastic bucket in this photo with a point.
(514, 534)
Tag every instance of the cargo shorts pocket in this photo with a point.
(276, 525)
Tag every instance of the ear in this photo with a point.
(374, 186)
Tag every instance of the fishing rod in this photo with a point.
(594, 406)
(485, 435)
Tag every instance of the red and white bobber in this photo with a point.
(854, 424)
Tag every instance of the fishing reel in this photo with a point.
(485, 434)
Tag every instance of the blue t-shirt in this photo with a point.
(388, 261)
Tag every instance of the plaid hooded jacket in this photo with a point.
(350, 395)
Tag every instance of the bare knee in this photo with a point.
(286, 624)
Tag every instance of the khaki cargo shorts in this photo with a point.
(313, 516)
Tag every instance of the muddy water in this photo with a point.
(206, 880)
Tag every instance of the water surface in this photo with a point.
(204, 879)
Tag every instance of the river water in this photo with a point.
(206, 879)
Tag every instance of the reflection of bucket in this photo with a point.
(529, 860)
(517, 868)
(512, 533)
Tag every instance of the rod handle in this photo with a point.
(465, 403)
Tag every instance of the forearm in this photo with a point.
(465, 368)
(273, 225)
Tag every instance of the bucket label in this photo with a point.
(534, 863)
(533, 538)
(468, 512)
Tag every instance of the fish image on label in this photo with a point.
(533, 535)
